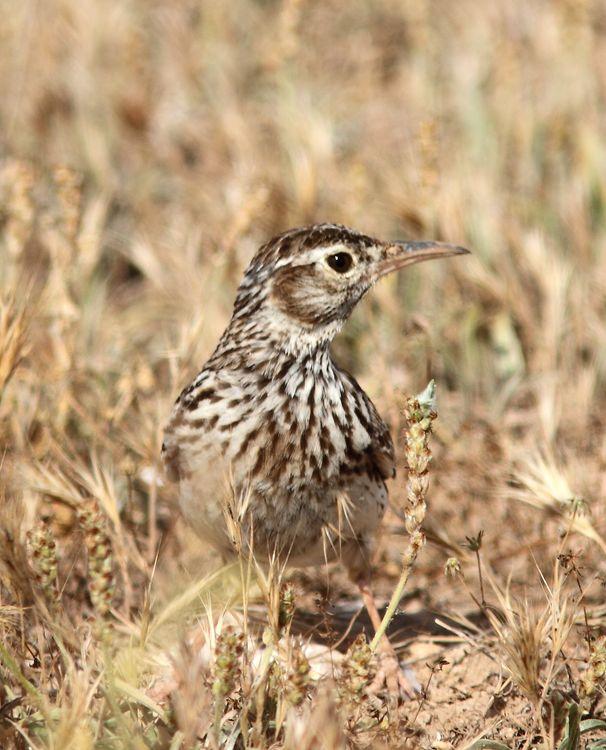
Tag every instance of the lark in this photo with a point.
(272, 438)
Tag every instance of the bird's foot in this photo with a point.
(399, 683)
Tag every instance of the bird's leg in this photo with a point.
(390, 672)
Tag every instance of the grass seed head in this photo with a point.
(298, 680)
(420, 413)
(287, 608)
(594, 678)
(452, 568)
(228, 652)
(356, 672)
(101, 579)
(42, 551)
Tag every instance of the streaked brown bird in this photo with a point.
(272, 432)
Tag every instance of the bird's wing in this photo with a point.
(170, 459)
(171, 454)
(185, 423)
(382, 452)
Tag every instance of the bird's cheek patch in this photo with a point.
(298, 293)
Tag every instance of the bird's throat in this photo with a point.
(269, 342)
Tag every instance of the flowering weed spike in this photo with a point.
(595, 676)
(227, 662)
(356, 674)
(101, 579)
(298, 680)
(43, 560)
(420, 413)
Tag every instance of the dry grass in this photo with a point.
(146, 150)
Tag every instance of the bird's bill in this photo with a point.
(400, 254)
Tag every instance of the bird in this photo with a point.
(276, 449)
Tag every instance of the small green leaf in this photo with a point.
(572, 734)
(590, 725)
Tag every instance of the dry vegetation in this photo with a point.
(146, 149)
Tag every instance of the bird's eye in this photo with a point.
(340, 262)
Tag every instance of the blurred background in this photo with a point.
(147, 149)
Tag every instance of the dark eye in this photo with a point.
(340, 262)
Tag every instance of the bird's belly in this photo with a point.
(304, 522)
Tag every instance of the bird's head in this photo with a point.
(308, 280)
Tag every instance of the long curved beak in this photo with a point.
(397, 255)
